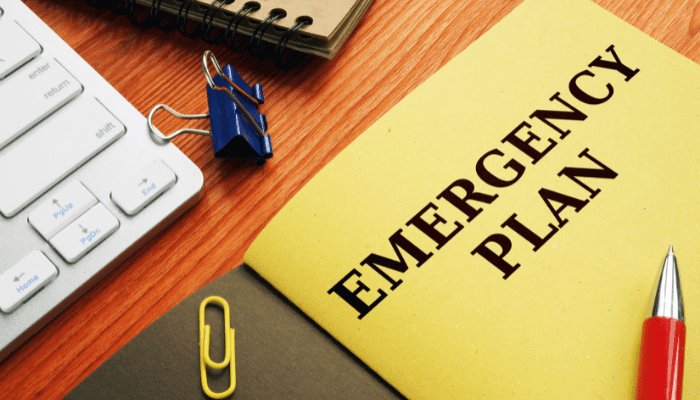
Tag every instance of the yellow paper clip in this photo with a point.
(204, 338)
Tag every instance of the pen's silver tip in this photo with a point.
(668, 301)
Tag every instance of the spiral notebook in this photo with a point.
(317, 27)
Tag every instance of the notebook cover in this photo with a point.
(280, 354)
(327, 15)
(332, 20)
(574, 137)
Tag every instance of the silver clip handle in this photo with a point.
(160, 135)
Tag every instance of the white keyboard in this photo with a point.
(82, 182)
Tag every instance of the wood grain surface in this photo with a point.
(314, 111)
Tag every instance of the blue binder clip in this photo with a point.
(237, 127)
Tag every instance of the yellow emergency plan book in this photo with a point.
(497, 234)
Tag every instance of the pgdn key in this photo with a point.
(85, 233)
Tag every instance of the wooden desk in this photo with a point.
(314, 112)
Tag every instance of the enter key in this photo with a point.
(16, 48)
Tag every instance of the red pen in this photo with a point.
(660, 375)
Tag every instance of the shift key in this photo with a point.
(53, 149)
(31, 94)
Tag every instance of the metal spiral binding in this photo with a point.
(294, 59)
(170, 20)
(126, 7)
(206, 27)
(257, 49)
(229, 40)
(182, 24)
(254, 44)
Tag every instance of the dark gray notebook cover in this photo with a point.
(280, 353)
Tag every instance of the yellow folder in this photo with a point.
(497, 234)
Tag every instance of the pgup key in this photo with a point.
(61, 209)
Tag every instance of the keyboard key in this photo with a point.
(52, 150)
(30, 94)
(61, 209)
(17, 51)
(24, 279)
(85, 233)
(138, 190)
